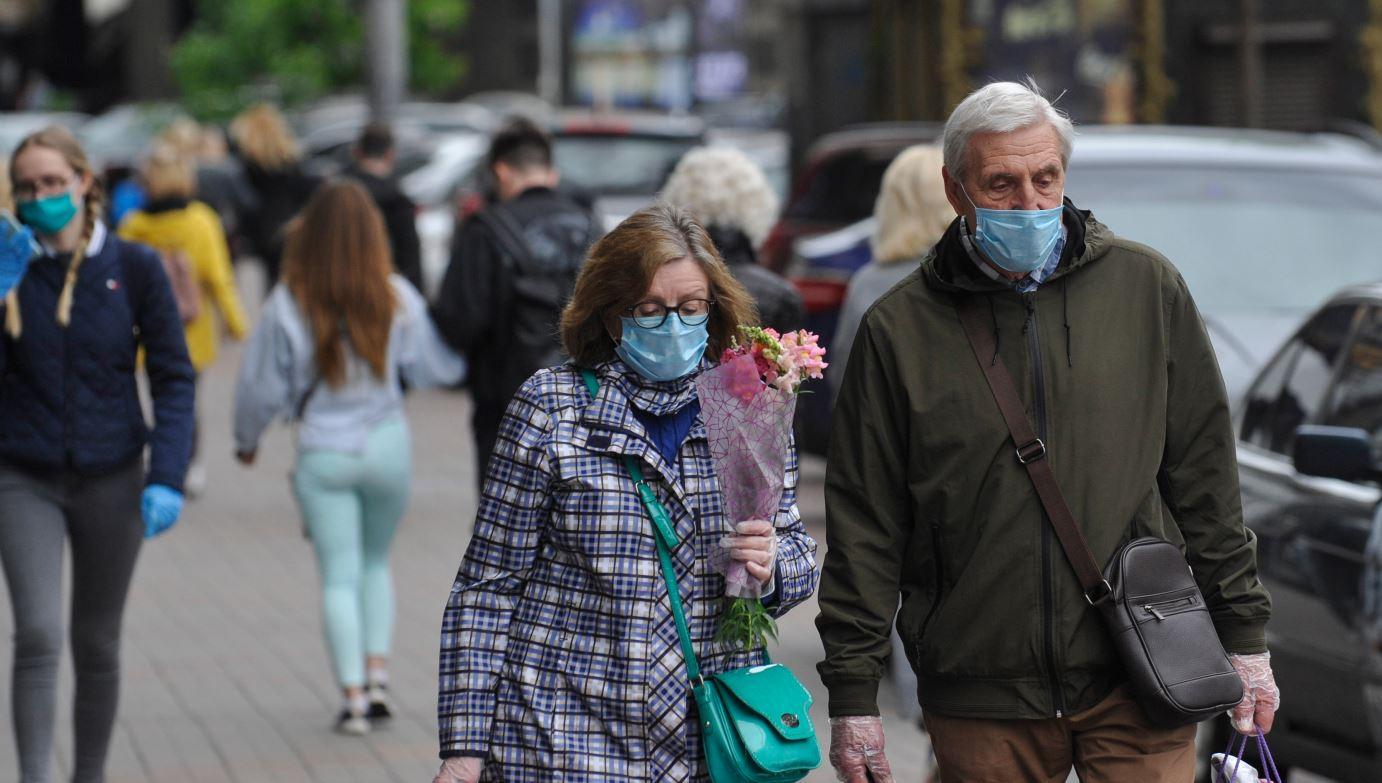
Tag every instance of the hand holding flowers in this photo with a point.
(755, 545)
(747, 403)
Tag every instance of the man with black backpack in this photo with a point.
(513, 266)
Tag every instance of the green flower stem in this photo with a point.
(746, 625)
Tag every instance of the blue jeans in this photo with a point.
(351, 504)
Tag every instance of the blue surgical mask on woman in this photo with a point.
(662, 353)
(1017, 240)
(50, 214)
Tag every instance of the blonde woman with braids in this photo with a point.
(72, 441)
(331, 346)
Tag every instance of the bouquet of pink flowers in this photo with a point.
(747, 404)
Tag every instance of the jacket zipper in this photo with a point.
(1047, 590)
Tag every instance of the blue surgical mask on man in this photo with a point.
(1016, 240)
(663, 353)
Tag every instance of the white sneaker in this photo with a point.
(352, 723)
(195, 483)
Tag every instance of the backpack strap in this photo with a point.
(507, 230)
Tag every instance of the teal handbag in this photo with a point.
(755, 721)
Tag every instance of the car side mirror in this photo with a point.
(1334, 452)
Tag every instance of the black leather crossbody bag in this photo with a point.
(1146, 594)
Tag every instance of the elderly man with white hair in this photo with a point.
(1018, 676)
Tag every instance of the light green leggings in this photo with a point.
(352, 504)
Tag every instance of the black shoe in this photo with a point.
(380, 706)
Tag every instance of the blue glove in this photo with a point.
(17, 248)
(161, 506)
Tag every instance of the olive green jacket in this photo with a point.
(925, 498)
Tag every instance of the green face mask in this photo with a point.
(48, 215)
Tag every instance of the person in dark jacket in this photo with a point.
(72, 443)
(729, 195)
(273, 168)
(513, 266)
(1018, 678)
(375, 159)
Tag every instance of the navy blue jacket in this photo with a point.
(68, 397)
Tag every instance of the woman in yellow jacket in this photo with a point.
(189, 233)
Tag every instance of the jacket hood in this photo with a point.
(948, 267)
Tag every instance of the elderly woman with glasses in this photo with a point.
(560, 658)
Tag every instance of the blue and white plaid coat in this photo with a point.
(559, 656)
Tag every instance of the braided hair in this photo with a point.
(61, 140)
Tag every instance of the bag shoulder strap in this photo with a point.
(1031, 452)
(665, 539)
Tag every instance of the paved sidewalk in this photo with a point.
(225, 672)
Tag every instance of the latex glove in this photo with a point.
(1260, 696)
(161, 507)
(16, 250)
(459, 769)
(755, 545)
(856, 749)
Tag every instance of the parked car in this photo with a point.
(117, 137)
(448, 188)
(1263, 225)
(14, 126)
(839, 181)
(619, 161)
(1309, 432)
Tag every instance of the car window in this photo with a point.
(1245, 239)
(1289, 391)
(843, 188)
(618, 165)
(1356, 399)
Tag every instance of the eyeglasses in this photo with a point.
(52, 183)
(651, 315)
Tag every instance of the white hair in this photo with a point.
(722, 187)
(1002, 107)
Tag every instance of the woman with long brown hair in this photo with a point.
(559, 654)
(72, 442)
(334, 340)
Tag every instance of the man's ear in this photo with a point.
(953, 193)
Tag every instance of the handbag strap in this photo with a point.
(664, 537)
(1031, 452)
